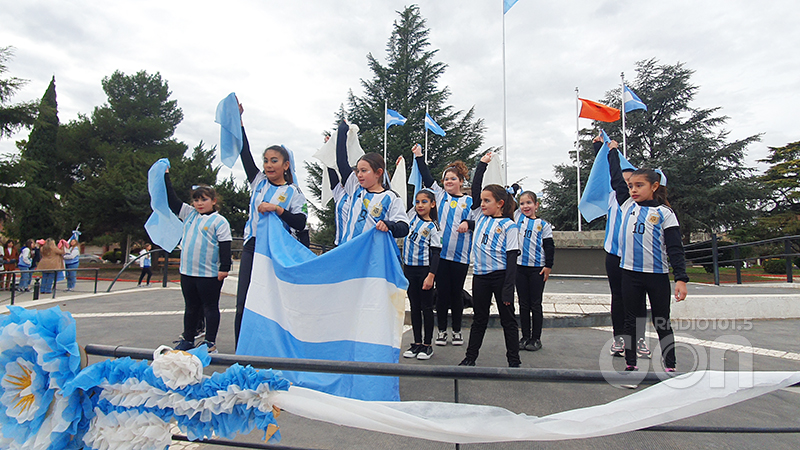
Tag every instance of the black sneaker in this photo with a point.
(412, 351)
(184, 345)
(523, 342)
(467, 362)
(533, 345)
(441, 338)
(425, 352)
(457, 338)
(514, 364)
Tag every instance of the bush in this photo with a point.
(774, 266)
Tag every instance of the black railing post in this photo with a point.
(166, 269)
(13, 286)
(715, 257)
(96, 276)
(787, 249)
(738, 265)
(455, 400)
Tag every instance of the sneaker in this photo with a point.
(457, 339)
(523, 342)
(618, 346)
(212, 347)
(425, 352)
(184, 345)
(533, 345)
(200, 334)
(631, 368)
(514, 364)
(641, 349)
(412, 351)
(467, 362)
(669, 369)
(441, 338)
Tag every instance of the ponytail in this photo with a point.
(500, 194)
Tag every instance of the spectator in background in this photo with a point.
(25, 262)
(37, 253)
(145, 263)
(51, 262)
(10, 256)
(71, 261)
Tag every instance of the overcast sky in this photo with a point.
(292, 63)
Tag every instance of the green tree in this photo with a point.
(12, 116)
(235, 203)
(41, 147)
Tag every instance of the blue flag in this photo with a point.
(594, 201)
(230, 133)
(394, 118)
(164, 227)
(507, 4)
(632, 102)
(433, 126)
(415, 179)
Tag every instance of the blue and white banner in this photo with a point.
(394, 118)
(345, 305)
(632, 101)
(594, 201)
(433, 126)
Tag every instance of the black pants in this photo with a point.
(145, 271)
(245, 271)
(635, 286)
(421, 303)
(614, 273)
(530, 287)
(201, 297)
(483, 287)
(450, 278)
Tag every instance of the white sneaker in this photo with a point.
(413, 351)
(425, 352)
(441, 338)
(457, 339)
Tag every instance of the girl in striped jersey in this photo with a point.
(271, 191)
(613, 271)
(453, 210)
(366, 199)
(650, 234)
(535, 262)
(494, 251)
(205, 261)
(420, 261)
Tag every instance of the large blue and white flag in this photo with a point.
(163, 226)
(631, 100)
(394, 118)
(432, 125)
(594, 201)
(345, 305)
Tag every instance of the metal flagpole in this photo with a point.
(622, 95)
(578, 151)
(385, 112)
(426, 133)
(505, 143)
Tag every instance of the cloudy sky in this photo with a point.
(292, 63)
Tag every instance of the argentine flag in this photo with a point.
(394, 118)
(345, 305)
(432, 125)
(594, 201)
(631, 100)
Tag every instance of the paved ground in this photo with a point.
(149, 317)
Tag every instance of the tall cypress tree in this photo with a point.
(42, 142)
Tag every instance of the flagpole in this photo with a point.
(426, 133)
(385, 128)
(578, 151)
(622, 96)
(505, 143)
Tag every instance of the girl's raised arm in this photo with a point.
(341, 152)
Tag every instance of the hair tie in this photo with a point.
(663, 180)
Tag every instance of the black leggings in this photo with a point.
(201, 297)
(450, 278)
(145, 271)
(245, 271)
(635, 286)
(530, 287)
(483, 287)
(421, 303)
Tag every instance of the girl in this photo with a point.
(52, 261)
(535, 263)
(71, 261)
(25, 262)
(420, 261)
(453, 209)
(10, 257)
(370, 203)
(495, 250)
(650, 234)
(271, 190)
(145, 262)
(205, 261)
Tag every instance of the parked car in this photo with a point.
(87, 258)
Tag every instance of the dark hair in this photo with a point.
(531, 194)
(500, 194)
(376, 162)
(287, 174)
(660, 194)
(207, 191)
(432, 197)
(28, 243)
(458, 168)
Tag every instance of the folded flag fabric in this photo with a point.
(598, 111)
(594, 201)
(632, 101)
(230, 134)
(415, 179)
(345, 305)
(394, 118)
(163, 227)
(433, 126)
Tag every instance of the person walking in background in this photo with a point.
(71, 261)
(145, 263)
(10, 256)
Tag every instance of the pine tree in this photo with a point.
(41, 147)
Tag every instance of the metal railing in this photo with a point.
(36, 282)
(455, 373)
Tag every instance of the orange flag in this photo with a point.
(598, 111)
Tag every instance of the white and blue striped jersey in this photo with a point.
(366, 209)
(493, 237)
(421, 237)
(341, 211)
(643, 248)
(452, 211)
(202, 234)
(613, 225)
(532, 232)
(287, 196)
